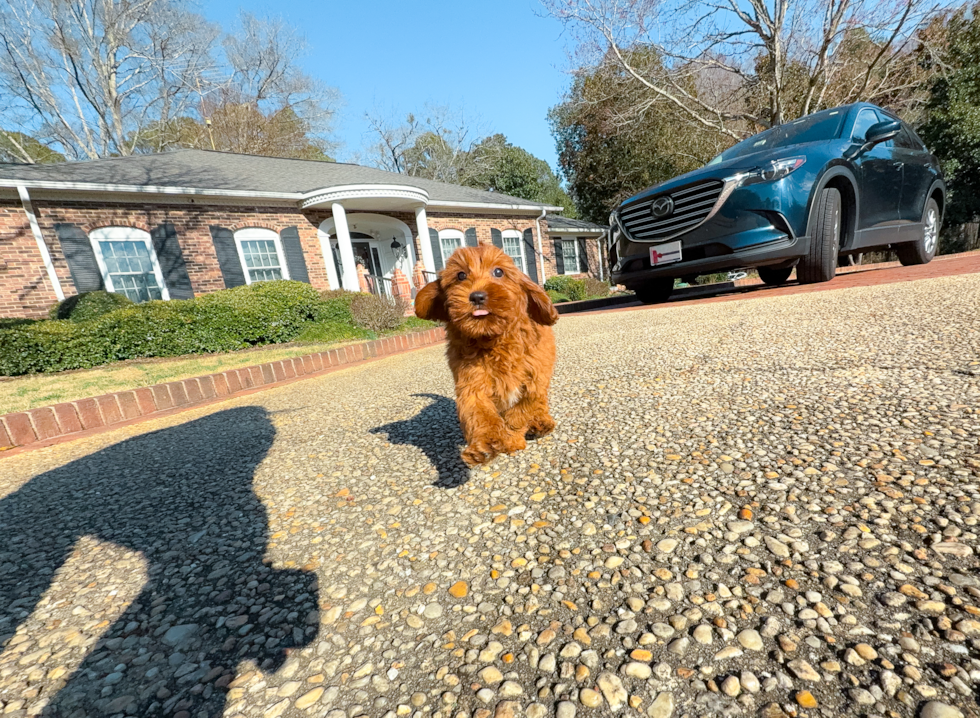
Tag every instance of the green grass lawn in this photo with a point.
(27, 392)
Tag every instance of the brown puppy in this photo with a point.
(501, 348)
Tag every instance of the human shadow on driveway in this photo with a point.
(435, 430)
(182, 497)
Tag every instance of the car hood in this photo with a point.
(721, 170)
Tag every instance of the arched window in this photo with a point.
(128, 263)
(449, 241)
(514, 248)
(261, 254)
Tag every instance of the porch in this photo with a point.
(365, 248)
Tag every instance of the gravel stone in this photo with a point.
(721, 519)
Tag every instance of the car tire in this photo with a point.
(774, 277)
(656, 291)
(922, 250)
(820, 263)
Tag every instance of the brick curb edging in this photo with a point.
(751, 282)
(21, 429)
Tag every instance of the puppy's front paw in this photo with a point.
(476, 453)
(541, 425)
(484, 448)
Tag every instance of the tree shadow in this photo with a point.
(182, 497)
(435, 430)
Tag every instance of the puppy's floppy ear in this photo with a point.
(539, 306)
(430, 303)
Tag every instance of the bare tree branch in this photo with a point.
(790, 56)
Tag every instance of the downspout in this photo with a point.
(25, 200)
(537, 224)
(599, 243)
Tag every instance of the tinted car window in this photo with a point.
(904, 140)
(817, 127)
(916, 140)
(865, 119)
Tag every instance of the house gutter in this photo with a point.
(537, 225)
(299, 197)
(598, 241)
(25, 200)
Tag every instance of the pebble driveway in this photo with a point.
(750, 508)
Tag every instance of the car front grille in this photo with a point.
(692, 206)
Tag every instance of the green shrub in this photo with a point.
(594, 288)
(378, 314)
(8, 322)
(261, 313)
(571, 287)
(89, 305)
(559, 283)
(336, 305)
(556, 297)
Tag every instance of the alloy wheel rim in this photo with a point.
(931, 231)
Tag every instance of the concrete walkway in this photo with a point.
(748, 508)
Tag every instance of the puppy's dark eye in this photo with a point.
(461, 276)
(498, 272)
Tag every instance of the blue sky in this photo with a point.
(502, 62)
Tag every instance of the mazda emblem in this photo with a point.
(662, 206)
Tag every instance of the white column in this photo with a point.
(349, 280)
(422, 225)
(327, 251)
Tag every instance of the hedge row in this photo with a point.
(252, 315)
(563, 288)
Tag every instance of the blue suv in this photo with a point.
(807, 194)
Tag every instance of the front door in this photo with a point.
(368, 255)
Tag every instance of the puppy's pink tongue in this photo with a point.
(480, 312)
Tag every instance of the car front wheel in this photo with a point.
(774, 277)
(656, 291)
(820, 263)
(923, 249)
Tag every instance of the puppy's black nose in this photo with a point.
(478, 298)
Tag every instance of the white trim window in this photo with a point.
(260, 253)
(128, 263)
(449, 241)
(569, 256)
(513, 246)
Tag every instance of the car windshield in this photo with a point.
(812, 128)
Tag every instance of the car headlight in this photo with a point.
(772, 171)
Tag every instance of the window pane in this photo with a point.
(512, 248)
(569, 256)
(261, 259)
(264, 275)
(449, 245)
(130, 269)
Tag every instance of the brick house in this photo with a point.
(184, 223)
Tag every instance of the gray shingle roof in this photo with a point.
(206, 170)
(556, 221)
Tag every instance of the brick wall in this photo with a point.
(25, 290)
(484, 223)
(592, 250)
(192, 225)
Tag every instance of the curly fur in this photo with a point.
(501, 361)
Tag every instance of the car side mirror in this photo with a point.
(882, 132)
